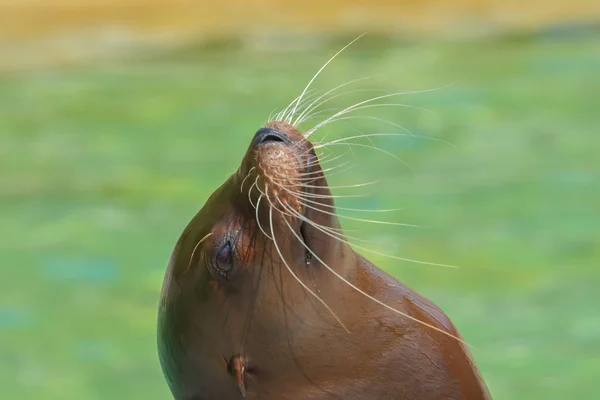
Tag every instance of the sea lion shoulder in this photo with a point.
(419, 345)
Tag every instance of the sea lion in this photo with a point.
(264, 298)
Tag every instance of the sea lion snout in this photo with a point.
(281, 145)
(282, 161)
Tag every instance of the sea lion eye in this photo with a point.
(224, 260)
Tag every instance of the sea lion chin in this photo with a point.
(263, 298)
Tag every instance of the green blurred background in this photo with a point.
(107, 149)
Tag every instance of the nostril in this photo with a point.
(271, 138)
(266, 135)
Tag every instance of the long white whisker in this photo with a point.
(317, 74)
(244, 180)
(313, 174)
(195, 248)
(316, 114)
(341, 116)
(408, 132)
(303, 185)
(328, 92)
(255, 184)
(365, 135)
(332, 196)
(371, 221)
(295, 276)
(301, 199)
(257, 218)
(306, 175)
(312, 105)
(336, 207)
(373, 148)
(352, 209)
(291, 215)
(343, 216)
(283, 112)
(352, 107)
(302, 217)
(303, 104)
(338, 233)
(329, 160)
(371, 297)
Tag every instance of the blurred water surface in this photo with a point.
(102, 166)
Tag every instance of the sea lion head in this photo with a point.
(277, 203)
(244, 274)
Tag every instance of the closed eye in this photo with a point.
(224, 260)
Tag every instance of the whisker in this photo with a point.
(371, 221)
(328, 160)
(244, 180)
(379, 134)
(316, 114)
(331, 196)
(332, 187)
(292, 216)
(318, 174)
(350, 109)
(195, 247)
(296, 277)
(312, 105)
(283, 112)
(303, 104)
(270, 118)
(317, 74)
(341, 116)
(369, 250)
(365, 135)
(300, 196)
(373, 148)
(408, 132)
(375, 210)
(257, 218)
(314, 179)
(340, 233)
(301, 200)
(271, 206)
(311, 175)
(354, 106)
(348, 209)
(255, 184)
(333, 271)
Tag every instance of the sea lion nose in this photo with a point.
(266, 135)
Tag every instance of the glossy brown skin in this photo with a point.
(256, 333)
